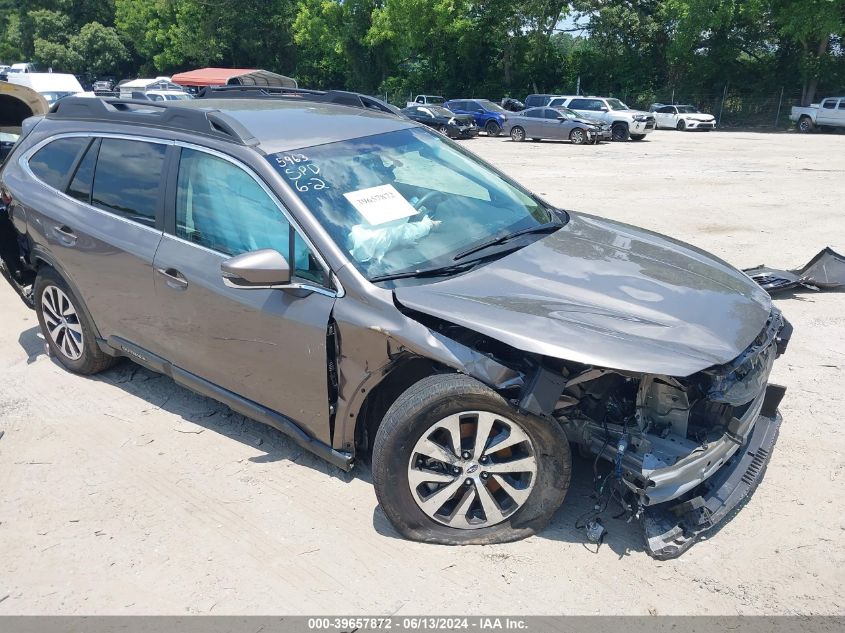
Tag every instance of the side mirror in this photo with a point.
(265, 268)
(602, 109)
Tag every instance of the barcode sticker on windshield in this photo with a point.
(381, 204)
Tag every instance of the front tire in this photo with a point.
(805, 125)
(578, 136)
(682, 125)
(455, 464)
(66, 327)
(619, 132)
(492, 128)
(637, 137)
(518, 134)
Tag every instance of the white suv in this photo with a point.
(624, 122)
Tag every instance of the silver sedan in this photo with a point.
(554, 123)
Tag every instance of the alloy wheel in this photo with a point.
(62, 321)
(472, 470)
(578, 136)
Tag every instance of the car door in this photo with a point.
(532, 121)
(554, 127)
(104, 232)
(266, 345)
(589, 108)
(827, 112)
(838, 115)
(665, 117)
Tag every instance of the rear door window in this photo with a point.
(586, 104)
(53, 162)
(80, 186)
(127, 179)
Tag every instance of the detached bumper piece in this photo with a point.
(670, 530)
(826, 271)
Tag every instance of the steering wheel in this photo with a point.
(430, 195)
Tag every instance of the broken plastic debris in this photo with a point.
(826, 271)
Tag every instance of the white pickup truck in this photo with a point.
(830, 112)
(427, 100)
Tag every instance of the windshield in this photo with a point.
(181, 97)
(616, 104)
(435, 100)
(571, 114)
(490, 106)
(406, 200)
(686, 109)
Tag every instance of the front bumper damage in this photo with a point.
(694, 449)
(671, 529)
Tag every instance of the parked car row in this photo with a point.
(578, 118)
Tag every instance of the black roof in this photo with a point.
(274, 124)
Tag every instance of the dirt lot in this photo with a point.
(127, 494)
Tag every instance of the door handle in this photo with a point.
(173, 278)
(65, 235)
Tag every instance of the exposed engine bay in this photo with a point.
(672, 444)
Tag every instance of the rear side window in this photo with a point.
(534, 113)
(52, 163)
(127, 179)
(80, 186)
(586, 104)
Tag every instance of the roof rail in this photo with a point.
(154, 114)
(338, 97)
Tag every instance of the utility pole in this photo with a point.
(780, 102)
(578, 86)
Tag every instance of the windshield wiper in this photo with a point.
(548, 227)
(426, 272)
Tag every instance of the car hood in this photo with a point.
(698, 115)
(587, 121)
(607, 294)
(632, 112)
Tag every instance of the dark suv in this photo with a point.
(368, 287)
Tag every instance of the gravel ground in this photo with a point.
(126, 494)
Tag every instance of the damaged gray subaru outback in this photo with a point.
(371, 289)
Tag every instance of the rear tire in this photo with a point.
(66, 327)
(492, 128)
(619, 132)
(517, 134)
(461, 497)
